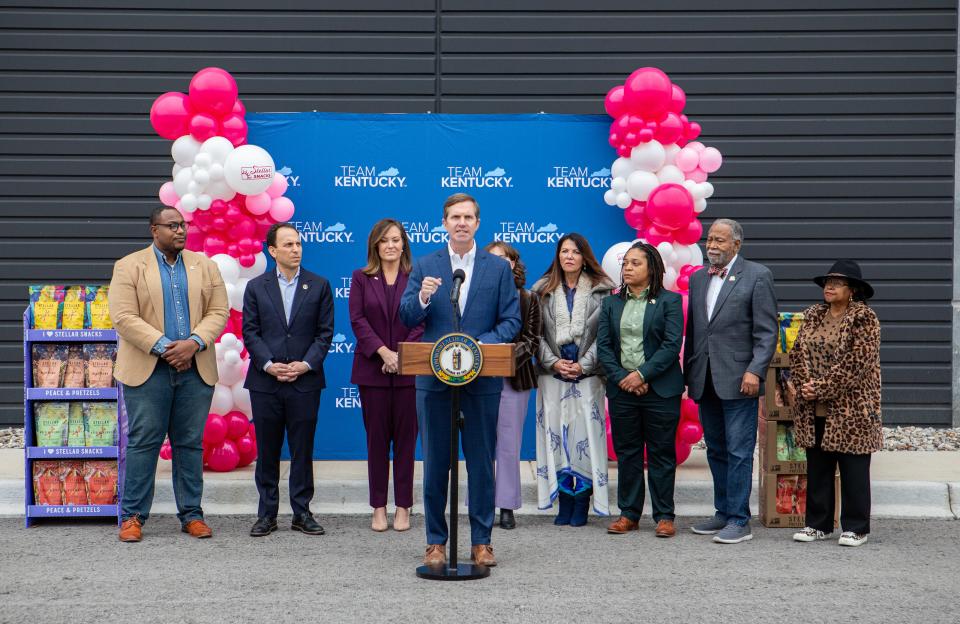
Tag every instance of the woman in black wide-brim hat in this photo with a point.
(834, 389)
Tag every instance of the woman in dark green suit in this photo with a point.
(638, 344)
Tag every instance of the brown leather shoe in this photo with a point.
(197, 528)
(436, 555)
(665, 529)
(623, 525)
(482, 554)
(130, 530)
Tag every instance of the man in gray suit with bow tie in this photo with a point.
(730, 339)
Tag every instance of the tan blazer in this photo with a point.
(136, 307)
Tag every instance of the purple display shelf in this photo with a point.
(71, 394)
(71, 335)
(73, 452)
(32, 453)
(71, 511)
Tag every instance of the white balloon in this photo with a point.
(622, 168)
(666, 252)
(241, 398)
(202, 178)
(230, 341)
(640, 184)
(182, 180)
(613, 260)
(242, 287)
(708, 190)
(231, 358)
(693, 188)
(249, 169)
(203, 160)
(231, 372)
(670, 278)
(188, 202)
(671, 151)
(259, 266)
(218, 148)
(220, 350)
(235, 296)
(175, 170)
(699, 205)
(624, 200)
(204, 201)
(618, 184)
(220, 190)
(682, 254)
(670, 174)
(184, 150)
(648, 156)
(610, 197)
(696, 256)
(222, 402)
(216, 172)
(229, 271)
(192, 187)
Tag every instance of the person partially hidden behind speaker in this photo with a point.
(490, 314)
(287, 328)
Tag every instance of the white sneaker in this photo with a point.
(810, 535)
(849, 538)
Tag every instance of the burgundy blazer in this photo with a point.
(375, 326)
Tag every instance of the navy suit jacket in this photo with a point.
(267, 335)
(492, 314)
(662, 339)
(376, 326)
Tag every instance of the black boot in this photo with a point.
(565, 502)
(507, 521)
(581, 506)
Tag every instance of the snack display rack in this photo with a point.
(34, 453)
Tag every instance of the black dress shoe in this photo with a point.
(306, 524)
(263, 527)
(507, 520)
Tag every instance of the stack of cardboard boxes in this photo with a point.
(783, 464)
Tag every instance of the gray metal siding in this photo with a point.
(836, 119)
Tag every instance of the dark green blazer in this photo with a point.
(662, 339)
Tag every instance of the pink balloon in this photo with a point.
(260, 204)
(213, 245)
(247, 260)
(281, 209)
(698, 146)
(634, 214)
(237, 424)
(655, 235)
(234, 129)
(689, 433)
(710, 159)
(611, 454)
(693, 131)
(166, 451)
(683, 283)
(243, 228)
(683, 452)
(194, 238)
(168, 196)
(215, 430)
(670, 129)
(218, 207)
(647, 91)
(687, 159)
(247, 446)
(624, 150)
(278, 187)
(678, 99)
(169, 115)
(187, 216)
(239, 108)
(233, 250)
(697, 175)
(224, 458)
(203, 126)
(645, 135)
(670, 206)
(613, 103)
(689, 235)
(214, 90)
(689, 410)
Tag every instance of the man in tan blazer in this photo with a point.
(169, 306)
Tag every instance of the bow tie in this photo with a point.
(715, 270)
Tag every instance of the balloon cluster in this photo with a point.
(689, 432)
(660, 182)
(229, 194)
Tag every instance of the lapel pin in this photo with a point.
(305, 286)
(733, 278)
(653, 302)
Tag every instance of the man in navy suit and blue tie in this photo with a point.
(287, 329)
(490, 314)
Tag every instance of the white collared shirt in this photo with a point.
(464, 262)
(716, 283)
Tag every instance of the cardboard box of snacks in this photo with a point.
(778, 449)
(783, 500)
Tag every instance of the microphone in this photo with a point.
(458, 278)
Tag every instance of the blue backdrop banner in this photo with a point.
(536, 177)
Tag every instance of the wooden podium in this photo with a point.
(497, 361)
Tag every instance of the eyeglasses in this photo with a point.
(174, 227)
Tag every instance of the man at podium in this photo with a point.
(490, 313)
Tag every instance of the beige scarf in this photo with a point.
(570, 327)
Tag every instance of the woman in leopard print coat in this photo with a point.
(834, 390)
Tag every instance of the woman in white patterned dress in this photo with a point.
(571, 429)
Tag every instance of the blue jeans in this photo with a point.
(730, 432)
(174, 404)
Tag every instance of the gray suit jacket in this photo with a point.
(741, 335)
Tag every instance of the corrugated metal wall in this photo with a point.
(836, 119)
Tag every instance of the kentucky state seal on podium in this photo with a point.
(456, 359)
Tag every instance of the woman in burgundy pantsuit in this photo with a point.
(388, 400)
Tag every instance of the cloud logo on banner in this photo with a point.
(475, 177)
(287, 172)
(336, 227)
(424, 232)
(439, 228)
(284, 171)
(340, 344)
(579, 177)
(315, 232)
(366, 176)
(527, 232)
